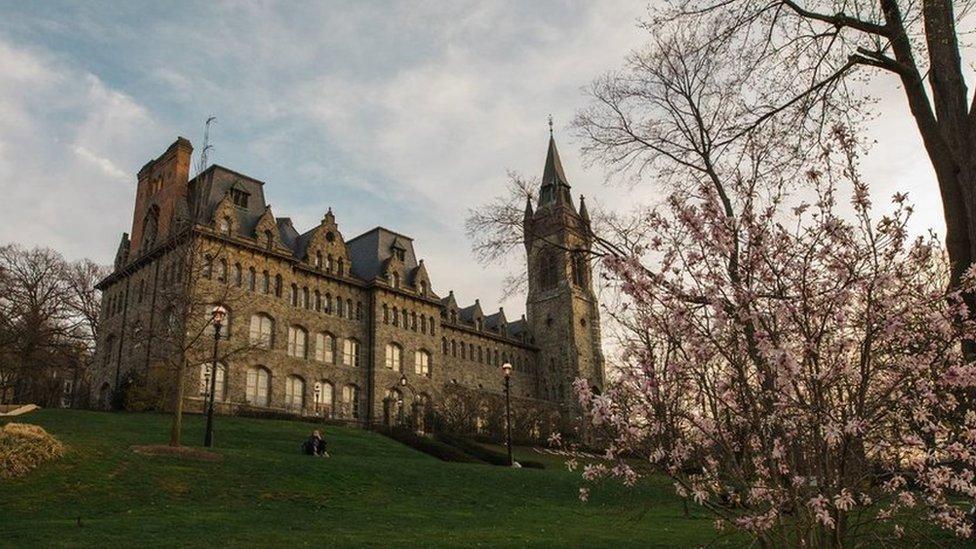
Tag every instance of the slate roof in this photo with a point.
(370, 250)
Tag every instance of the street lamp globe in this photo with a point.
(217, 315)
(507, 369)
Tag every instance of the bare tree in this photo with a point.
(47, 322)
(798, 63)
(194, 277)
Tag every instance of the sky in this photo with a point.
(400, 114)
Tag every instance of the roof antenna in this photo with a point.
(204, 153)
(550, 125)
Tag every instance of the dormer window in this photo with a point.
(268, 240)
(318, 260)
(239, 197)
(395, 280)
(423, 287)
(400, 254)
(225, 226)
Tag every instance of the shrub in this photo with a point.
(484, 454)
(429, 446)
(23, 447)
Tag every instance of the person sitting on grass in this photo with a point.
(315, 445)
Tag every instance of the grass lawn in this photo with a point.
(373, 491)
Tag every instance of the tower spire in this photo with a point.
(555, 186)
(585, 215)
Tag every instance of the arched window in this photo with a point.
(386, 314)
(444, 345)
(481, 355)
(423, 324)
(318, 260)
(463, 353)
(395, 280)
(222, 270)
(413, 320)
(238, 275)
(268, 240)
(207, 267)
(328, 304)
(294, 392)
(205, 370)
(349, 312)
(258, 383)
(262, 331)
(325, 348)
(328, 263)
(350, 352)
(350, 401)
(431, 325)
(548, 267)
(294, 295)
(297, 340)
(304, 298)
(579, 270)
(339, 306)
(453, 348)
(394, 407)
(396, 317)
(340, 267)
(324, 393)
(394, 356)
(225, 225)
(150, 226)
(318, 301)
(277, 285)
(422, 363)
(265, 282)
(423, 287)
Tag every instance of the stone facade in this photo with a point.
(320, 325)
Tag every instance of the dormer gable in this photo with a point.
(266, 232)
(225, 221)
(324, 248)
(420, 280)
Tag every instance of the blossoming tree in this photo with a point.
(798, 372)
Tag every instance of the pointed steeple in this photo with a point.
(528, 208)
(555, 186)
(584, 215)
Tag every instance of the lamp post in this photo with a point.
(507, 370)
(217, 315)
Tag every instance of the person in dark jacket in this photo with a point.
(314, 445)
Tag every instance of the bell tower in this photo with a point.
(562, 309)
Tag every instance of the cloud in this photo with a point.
(69, 150)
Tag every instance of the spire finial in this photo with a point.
(550, 125)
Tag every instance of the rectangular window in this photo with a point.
(296, 342)
(350, 352)
(324, 348)
(239, 197)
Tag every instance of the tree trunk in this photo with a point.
(176, 429)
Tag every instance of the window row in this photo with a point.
(482, 355)
(262, 335)
(257, 392)
(421, 360)
(312, 300)
(408, 319)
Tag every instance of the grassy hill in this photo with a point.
(373, 491)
